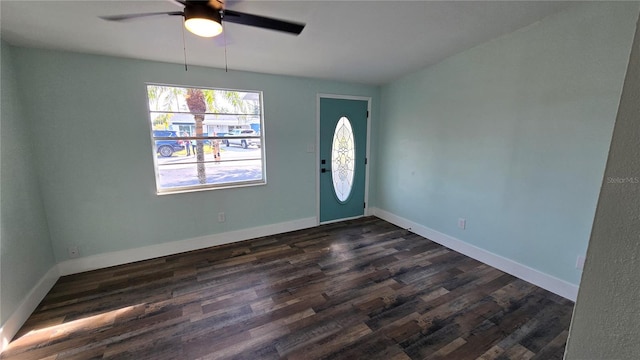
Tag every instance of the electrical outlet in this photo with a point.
(462, 223)
(580, 262)
(73, 252)
(221, 217)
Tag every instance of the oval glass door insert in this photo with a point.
(343, 159)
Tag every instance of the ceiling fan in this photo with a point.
(204, 18)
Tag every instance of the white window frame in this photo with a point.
(204, 187)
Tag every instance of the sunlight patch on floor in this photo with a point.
(50, 333)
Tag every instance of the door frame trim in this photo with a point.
(367, 151)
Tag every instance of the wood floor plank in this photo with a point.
(357, 289)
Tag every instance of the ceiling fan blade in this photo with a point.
(262, 22)
(135, 16)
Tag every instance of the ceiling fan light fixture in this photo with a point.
(203, 27)
(202, 21)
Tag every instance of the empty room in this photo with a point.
(305, 179)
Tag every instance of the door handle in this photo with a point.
(323, 162)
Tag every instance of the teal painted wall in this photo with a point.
(94, 155)
(25, 248)
(512, 135)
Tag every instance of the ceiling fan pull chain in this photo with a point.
(224, 38)
(184, 47)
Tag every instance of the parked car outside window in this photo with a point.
(237, 137)
(166, 148)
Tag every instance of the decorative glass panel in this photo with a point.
(343, 159)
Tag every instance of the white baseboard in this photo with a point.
(536, 277)
(28, 305)
(100, 261)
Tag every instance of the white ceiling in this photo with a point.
(370, 42)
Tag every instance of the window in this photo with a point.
(189, 129)
(205, 138)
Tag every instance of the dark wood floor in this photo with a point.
(362, 289)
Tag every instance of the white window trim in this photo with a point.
(206, 187)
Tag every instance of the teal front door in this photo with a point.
(343, 147)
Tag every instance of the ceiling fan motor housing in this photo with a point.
(201, 11)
